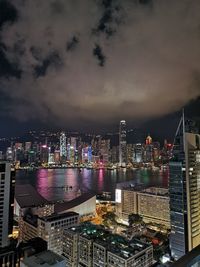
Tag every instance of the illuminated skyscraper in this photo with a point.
(122, 143)
(184, 191)
(148, 140)
(7, 187)
(63, 149)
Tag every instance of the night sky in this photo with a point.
(86, 64)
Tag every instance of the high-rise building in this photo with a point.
(7, 183)
(115, 154)
(148, 140)
(130, 153)
(44, 154)
(27, 146)
(138, 153)
(63, 147)
(104, 150)
(184, 190)
(122, 143)
(51, 228)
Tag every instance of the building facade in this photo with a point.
(51, 228)
(7, 185)
(45, 258)
(92, 246)
(151, 203)
(184, 191)
(122, 144)
(63, 147)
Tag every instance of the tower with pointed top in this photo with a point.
(122, 144)
(184, 190)
(63, 148)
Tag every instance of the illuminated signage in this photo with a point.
(118, 195)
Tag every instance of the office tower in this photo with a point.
(122, 143)
(114, 154)
(148, 153)
(51, 159)
(104, 150)
(87, 154)
(27, 146)
(51, 228)
(44, 154)
(148, 140)
(7, 182)
(138, 153)
(184, 190)
(130, 153)
(63, 147)
(57, 156)
(73, 142)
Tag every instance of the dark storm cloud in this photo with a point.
(98, 53)
(53, 59)
(110, 19)
(72, 43)
(8, 13)
(98, 61)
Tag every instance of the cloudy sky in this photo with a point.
(89, 63)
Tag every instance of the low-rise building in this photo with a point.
(10, 256)
(85, 204)
(151, 203)
(90, 245)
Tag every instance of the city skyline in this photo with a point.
(100, 133)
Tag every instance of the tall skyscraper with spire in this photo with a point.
(184, 190)
(63, 147)
(122, 143)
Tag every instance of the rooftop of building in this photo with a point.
(61, 207)
(160, 191)
(57, 217)
(31, 219)
(45, 259)
(112, 242)
(27, 196)
(141, 188)
(30, 247)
